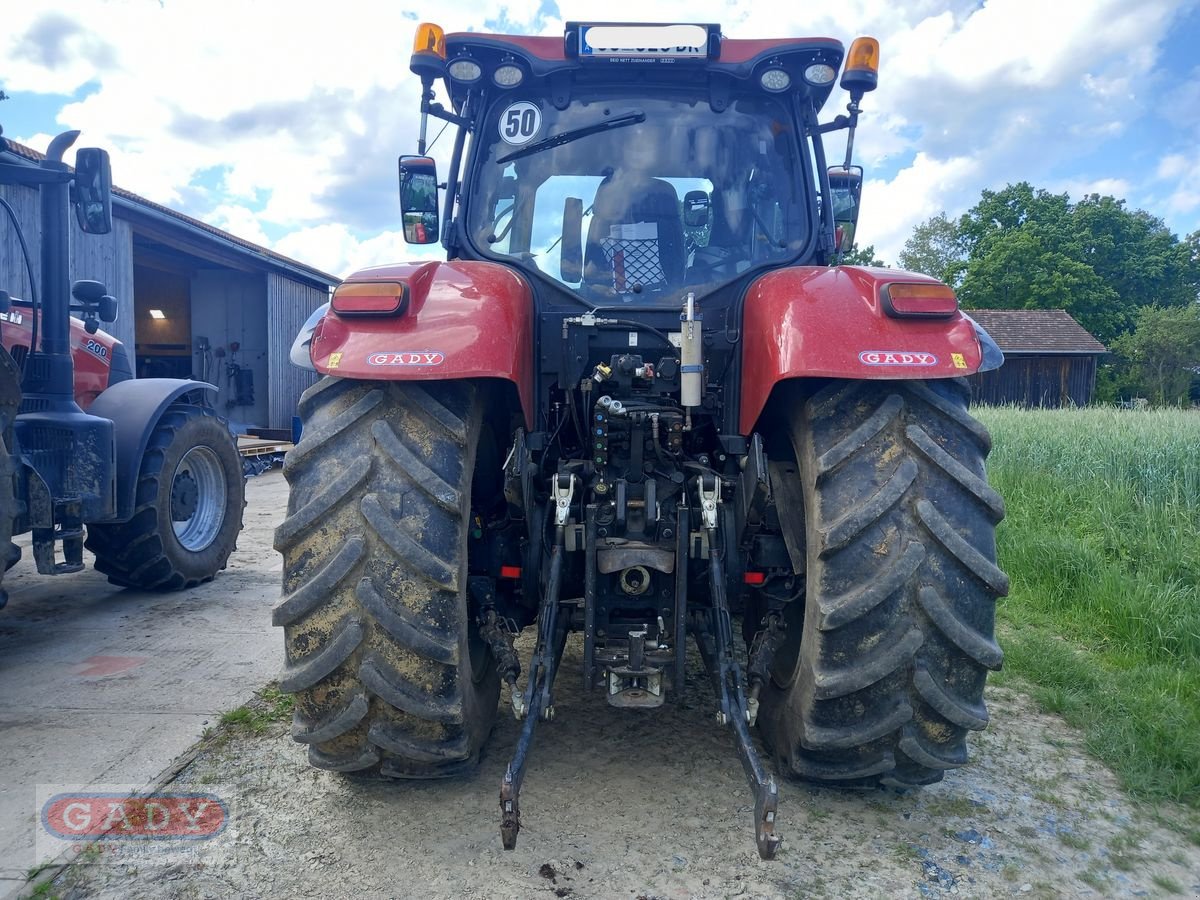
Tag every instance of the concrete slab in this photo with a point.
(104, 685)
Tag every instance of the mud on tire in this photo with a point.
(187, 510)
(884, 668)
(10, 400)
(383, 658)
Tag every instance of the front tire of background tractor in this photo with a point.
(883, 671)
(10, 401)
(187, 511)
(383, 657)
(8, 511)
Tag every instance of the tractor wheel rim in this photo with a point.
(200, 528)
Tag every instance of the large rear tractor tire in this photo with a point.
(882, 673)
(383, 654)
(8, 511)
(187, 511)
(10, 401)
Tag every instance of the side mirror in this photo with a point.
(845, 192)
(419, 199)
(695, 209)
(93, 190)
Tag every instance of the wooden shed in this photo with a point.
(193, 301)
(1049, 359)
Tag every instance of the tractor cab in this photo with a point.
(631, 165)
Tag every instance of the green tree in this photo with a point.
(1135, 254)
(1161, 356)
(1026, 248)
(936, 248)
(864, 256)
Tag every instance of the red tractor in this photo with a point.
(638, 398)
(145, 465)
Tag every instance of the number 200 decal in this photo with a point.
(520, 123)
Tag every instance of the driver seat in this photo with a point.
(640, 244)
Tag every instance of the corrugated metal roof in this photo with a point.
(1050, 331)
(268, 257)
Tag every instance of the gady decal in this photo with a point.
(897, 358)
(407, 358)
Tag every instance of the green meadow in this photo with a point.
(1102, 546)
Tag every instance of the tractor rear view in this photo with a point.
(144, 465)
(637, 400)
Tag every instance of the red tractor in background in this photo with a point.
(637, 398)
(145, 465)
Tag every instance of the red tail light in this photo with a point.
(754, 577)
(370, 298)
(919, 300)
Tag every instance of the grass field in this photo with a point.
(1102, 544)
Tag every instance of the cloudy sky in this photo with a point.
(281, 121)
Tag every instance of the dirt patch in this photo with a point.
(621, 804)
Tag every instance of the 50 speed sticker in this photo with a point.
(520, 123)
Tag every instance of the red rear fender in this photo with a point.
(816, 322)
(463, 320)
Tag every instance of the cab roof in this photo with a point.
(728, 61)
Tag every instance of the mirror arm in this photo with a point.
(436, 109)
(430, 108)
(426, 103)
(836, 125)
(852, 122)
(11, 173)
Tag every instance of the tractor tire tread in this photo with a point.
(891, 653)
(374, 547)
(138, 553)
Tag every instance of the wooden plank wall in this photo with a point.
(289, 304)
(101, 257)
(1038, 381)
(24, 201)
(108, 258)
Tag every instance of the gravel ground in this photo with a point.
(622, 804)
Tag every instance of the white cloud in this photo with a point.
(891, 209)
(333, 248)
(239, 221)
(1105, 187)
(281, 114)
(1179, 177)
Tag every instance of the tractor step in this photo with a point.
(67, 530)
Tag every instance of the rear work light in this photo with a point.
(508, 75)
(919, 300)
(465, 70)
(373, 298)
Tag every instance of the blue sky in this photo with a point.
(281, 123)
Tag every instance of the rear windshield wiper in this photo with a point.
(633, 117)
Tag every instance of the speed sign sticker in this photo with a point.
(520, 123)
